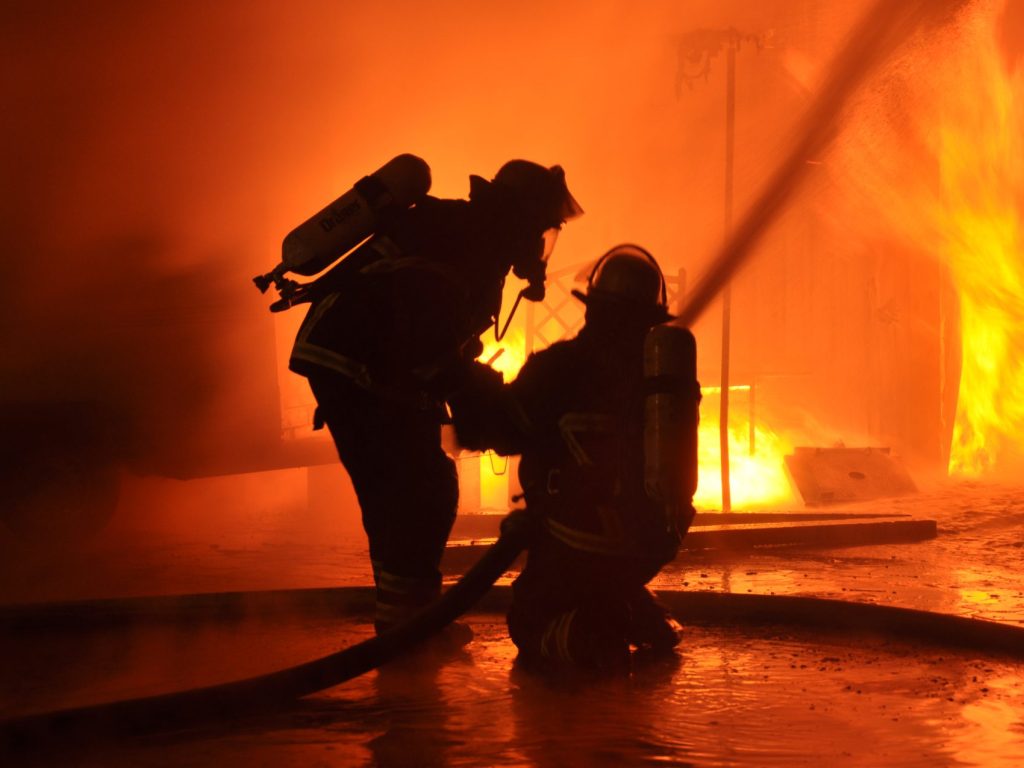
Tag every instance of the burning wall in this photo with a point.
(933, 168)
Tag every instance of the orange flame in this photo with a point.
(506, 356)
(756, 468)
(968, 110)
(758, 475)
(980, 147)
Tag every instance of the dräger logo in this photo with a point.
(336, 216)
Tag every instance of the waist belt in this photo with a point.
(594, 543)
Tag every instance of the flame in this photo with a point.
(980, 148)
(506, 356)
(757, 478)
(757, 474)
(949, 181)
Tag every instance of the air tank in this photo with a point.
(340, 226)
(671, 414)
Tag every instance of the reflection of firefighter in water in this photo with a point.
(576, 414)
(390, 333)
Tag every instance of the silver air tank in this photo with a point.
(671, 414)
(320, 240)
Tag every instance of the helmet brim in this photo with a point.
(657, 313)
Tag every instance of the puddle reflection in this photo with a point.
(729, 698)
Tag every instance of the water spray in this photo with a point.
(876, 36)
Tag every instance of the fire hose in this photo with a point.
(133, 717)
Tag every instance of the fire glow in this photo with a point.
(981, 165)
(507, 357)
(756, 468)
(958, 196)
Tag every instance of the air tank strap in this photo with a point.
(393, 261)
(671, 383)
(379, 198)
(594, 543)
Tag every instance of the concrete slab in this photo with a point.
(840, 475)
(750, 532)
(486, 525)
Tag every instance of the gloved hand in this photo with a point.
(460, 371)
(523, 522)
(475, 380)
(473, 348)
(473, 402)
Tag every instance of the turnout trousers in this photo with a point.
(407, 488)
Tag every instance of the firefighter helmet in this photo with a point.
(628, 276)
(541, 192)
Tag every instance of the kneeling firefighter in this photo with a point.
(606, 426)
(392, 329)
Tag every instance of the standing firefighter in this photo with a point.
(393, 328)
(576, 414)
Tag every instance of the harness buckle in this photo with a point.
(554, 478)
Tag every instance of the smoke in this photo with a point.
(155, 154)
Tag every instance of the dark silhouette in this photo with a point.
(393, 329)
(576, 414)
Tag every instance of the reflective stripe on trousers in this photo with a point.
(401, 597)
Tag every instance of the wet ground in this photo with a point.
(258, 532)
(762, 696)
(973, 568)
(767, 697)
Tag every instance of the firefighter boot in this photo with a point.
(651, 627)
(588, 639)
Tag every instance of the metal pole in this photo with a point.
(680, 290)
(531, 320)
(752, 414)
(730, 130)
